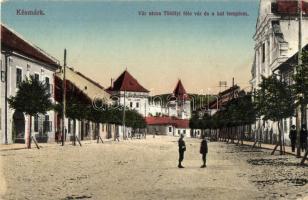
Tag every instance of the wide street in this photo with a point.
(147, 169)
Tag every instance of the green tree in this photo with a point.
(274, 101)
(32, 98)
(97, 113)
(135, 120)
(301, 84)
(76, 107)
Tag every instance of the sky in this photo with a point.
(103, 38)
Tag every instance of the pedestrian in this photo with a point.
(292, 137)
(182, 149)
(203, 150)
(303, 137)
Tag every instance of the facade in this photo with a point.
(168, 126)
(87, 91)
(21, 59)
(174, 111)
(126, 91)
(177, 104)
(276, 40)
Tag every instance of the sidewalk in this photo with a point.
(288, 149)
(15, 146)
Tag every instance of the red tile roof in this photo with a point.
(291, 6)
(178, 123)
(71, 90)
(11, 41)
(179, 92)
(126, 82)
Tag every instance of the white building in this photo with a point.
(276, 40)
(177, 104)
(126, 90)
(167, 116)
(20, 59)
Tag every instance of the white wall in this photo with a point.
(28, 68)
(276, 52)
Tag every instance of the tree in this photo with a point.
(76, 107)
(32, 98)
(135, 120)
(274, 101)
(301, 84)
(97, 113)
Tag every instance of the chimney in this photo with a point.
(111, 83)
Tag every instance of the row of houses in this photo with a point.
(20, 59)
(276, 50)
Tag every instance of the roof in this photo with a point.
(126, 82)
(13, 42)
(90, 80)
(178, 123)
(179, 91)
(289, 7)
(71, 90)
(229, 90)
(292, 61)
(89, 87)
(225, 96)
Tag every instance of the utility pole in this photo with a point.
(298, 109)
(64, 99)
(233, 88)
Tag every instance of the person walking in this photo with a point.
(292, 136)
(303, 137)
(182, 149)
(203, 150)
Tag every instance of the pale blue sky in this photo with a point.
(103, 38)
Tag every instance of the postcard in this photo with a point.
(169, 99)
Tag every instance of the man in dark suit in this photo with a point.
(182, 149)
(303, 137)
(292, 137)
(203, 150)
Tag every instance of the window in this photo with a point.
(131, 104)
(184, 131)
(18, 76)
(47, 83)
(137, 105)
(37, 77)
(170, 129)
(36, 123)
(69, 126)
(263, 52)
(47, 124)
(103, 127)
(2, 72)
(179, 132)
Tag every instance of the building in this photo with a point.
(161, 111)
(276, 37)
(177, 104)
(168, 126)
(169, 114)
(127, 91)
(87, 91)
(276, 40)
(20, 59)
